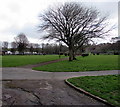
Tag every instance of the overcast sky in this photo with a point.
(18, 16)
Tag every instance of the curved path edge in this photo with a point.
(88, 94)
(23, 73)
(42, 63)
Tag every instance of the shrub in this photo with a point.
(83, 55)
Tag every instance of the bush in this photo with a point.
(97, 53)
(83, 55)
(116, 53)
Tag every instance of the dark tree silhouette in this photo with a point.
(73, 24)
(22, 42)
(5, 46)
(31, 48)
(13, 47)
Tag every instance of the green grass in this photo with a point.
(106, 87)
(90, 63)
(20, 60)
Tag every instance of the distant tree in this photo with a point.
(108, 48)
(115, 39)
(22, 42)
(13, 47)
(53, 48)
(36, 47)
(56, 49)
(74, 25)
(115, 47)
(5, 46)
(31, 49)
(43, 46)
(47, 48)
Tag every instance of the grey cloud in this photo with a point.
(110, 8)
(29, 29)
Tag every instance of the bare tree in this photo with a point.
(74, 25)
(5, 46)
(31, 48)
(43, 46)
(13, 47)
(115, 39)
(22, 42)
(36, 46)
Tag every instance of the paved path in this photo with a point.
(48, 92)
(23, 86)
(23, 73)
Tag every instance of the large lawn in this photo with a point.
(90, 63)
(19, 60)
(106, 87)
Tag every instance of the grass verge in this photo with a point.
(20, 60)
(106, 87)
(90, 63)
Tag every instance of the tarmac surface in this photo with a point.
(24, 86)
(44, 92)
(24, 73)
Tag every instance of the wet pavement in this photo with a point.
(43, 92)
(23, 73)
(23, 86)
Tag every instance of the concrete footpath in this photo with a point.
(23, 86)
(23, 73)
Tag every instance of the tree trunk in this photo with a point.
(74, 58)
(70, 54)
